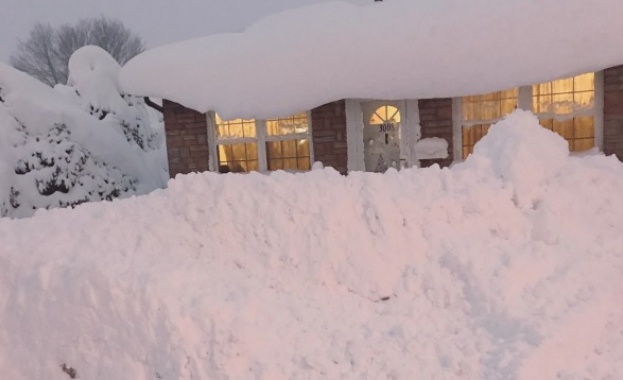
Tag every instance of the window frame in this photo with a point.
(524, 101)
(260, 139)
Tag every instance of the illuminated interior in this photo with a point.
(294, 124)
(565, 106)
(288, 155)
(237, 128)
(385, 114)
(238, 158)
(291, 154)
(480, 111)
(286, 143)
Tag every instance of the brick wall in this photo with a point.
(187, 142)
(329, 135)
(436, 121)
(613, 111)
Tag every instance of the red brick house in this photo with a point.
(372, 135)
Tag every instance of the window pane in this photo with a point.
(584, 127)
(490, 107)
(385, 114)
(236, 128)
(302, 148)
(471, 135)
(288, 155)
(237, 158)
(513, 93)
(508, 106)
(563, 103)
(290, 164)
(542, 103)
(584, 99)
(583, 144)
(298, 123)
(562, 86)
(579, 131)
(564, 128)
(273, 149)
(272, 127)
(547, 124)
(288, 148)
(584, 82)
(564, 96)
(303, 163)
(275, 164)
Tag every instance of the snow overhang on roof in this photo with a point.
(397, 49)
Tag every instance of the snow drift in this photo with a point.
(399, 49)
(508, 266)
(72, 144)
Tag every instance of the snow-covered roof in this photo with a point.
(395, 49)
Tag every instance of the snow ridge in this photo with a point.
(423, 273)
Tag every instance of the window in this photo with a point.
(385, 115)
(565, 106)
(242, 145)
(480, 111)
(238, 150)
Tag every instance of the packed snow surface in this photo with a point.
(398, 49)
(508, 266)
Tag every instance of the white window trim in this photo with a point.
(261, 138)
(524, 101)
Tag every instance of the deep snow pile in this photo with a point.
(508, 266)
(77, 143)
(398, 49)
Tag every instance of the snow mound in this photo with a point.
(522, 153)
(399, 49)
(422, 273)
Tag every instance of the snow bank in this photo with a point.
(399, 49)
(81, 142)
(422, 273)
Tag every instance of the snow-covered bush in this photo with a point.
(82, 142)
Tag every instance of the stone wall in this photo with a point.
(329, 135)
(613, 111)
(187, 142)
(436, 121)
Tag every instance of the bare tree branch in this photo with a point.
(46, 52)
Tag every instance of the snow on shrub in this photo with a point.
(77, 143)
(94, 75)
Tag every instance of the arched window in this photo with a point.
(385, 115)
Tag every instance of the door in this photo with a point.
(381, 136)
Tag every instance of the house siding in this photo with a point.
(329, 135)
(613, 111)
(187, 142)
(436, 121)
